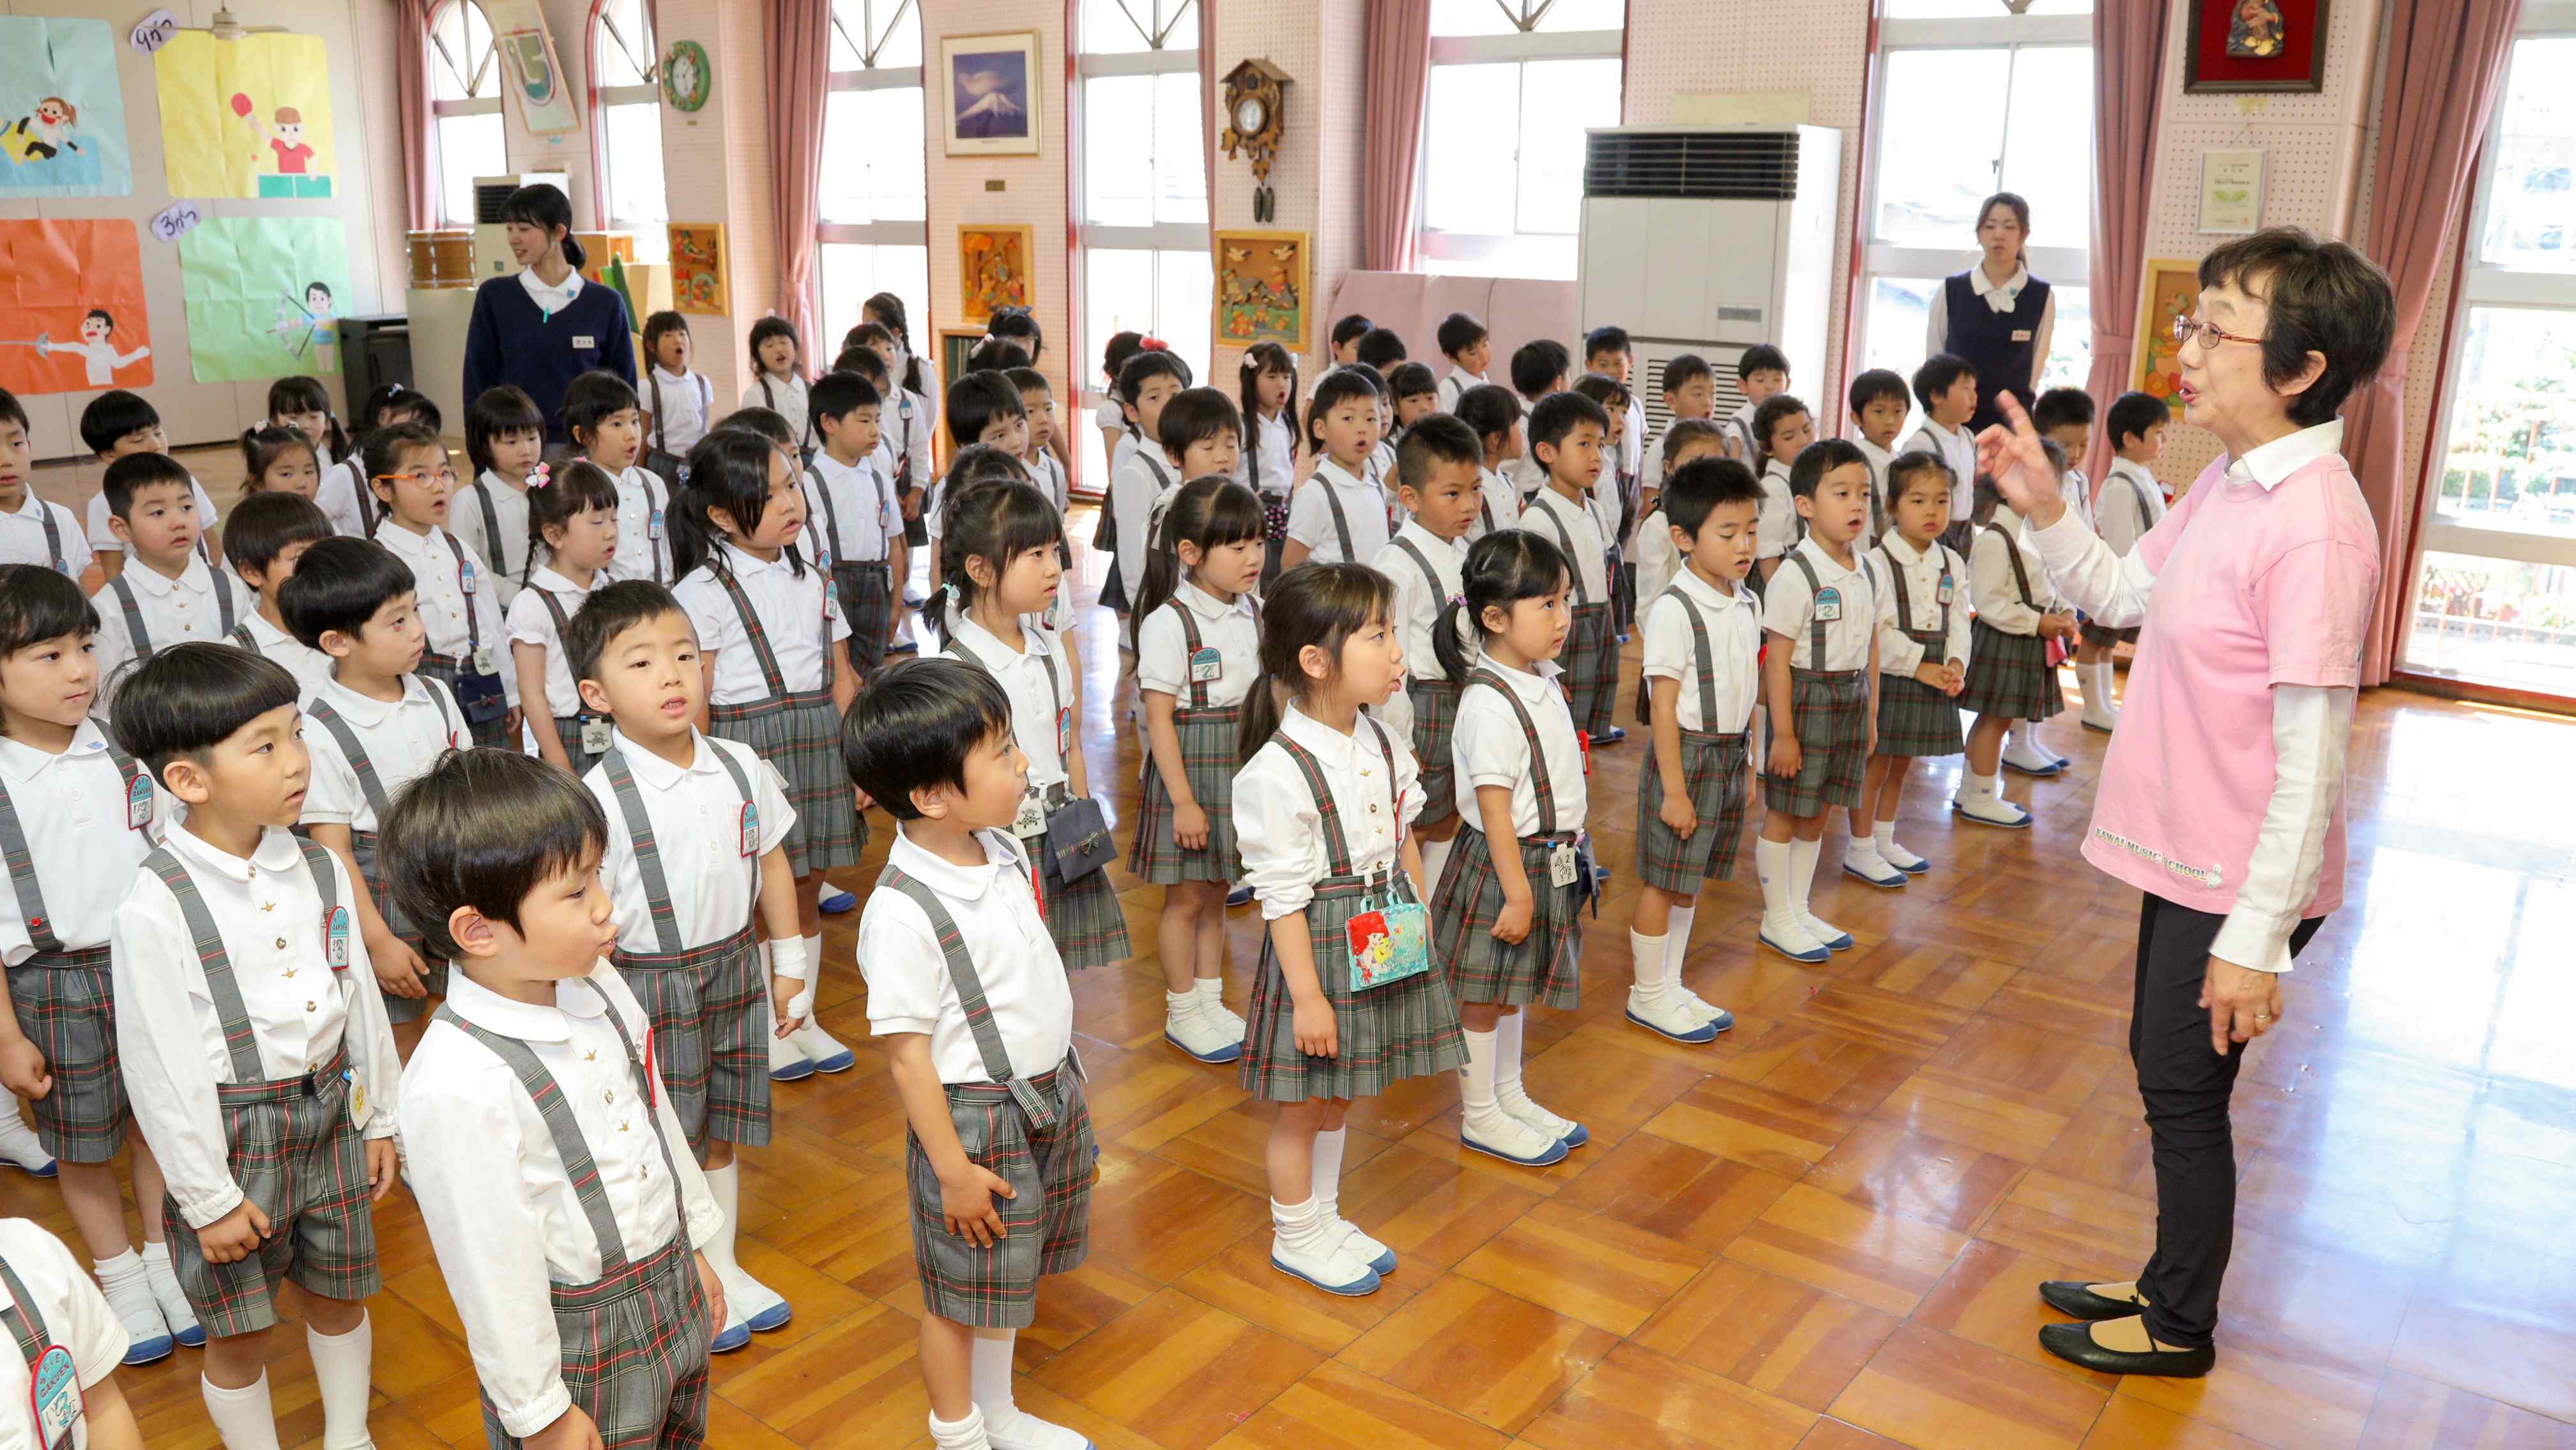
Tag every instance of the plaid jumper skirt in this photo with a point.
(634, 1340)
(800, 736)
(2009, 674)
(1543, 967)
(1830, 709)
(1713, 774)
(1591, 650)
(568, 728)
(1913, 718)
(371, 871)
(1207, 739)
(1435, 720)
(707, 1003)
(292, 1148)
(866, 585)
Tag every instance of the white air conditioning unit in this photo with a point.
(1707, 240)
(491, 236)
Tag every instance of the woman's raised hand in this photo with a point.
(2009, 452)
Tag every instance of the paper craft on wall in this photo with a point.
(62, 118)
(698, 281)
(71, 307)
(245, 117)
(993, 268)
(1261, 289)
(264, 295)
(527, 52)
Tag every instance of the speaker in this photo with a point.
(374, 351)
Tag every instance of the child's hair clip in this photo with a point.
(537, 476)
(1152, 344)
(1250, 362)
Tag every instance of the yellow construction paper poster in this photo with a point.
(247, 117)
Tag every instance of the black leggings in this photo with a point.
(2186, 1087)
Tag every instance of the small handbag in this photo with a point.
(1389, 942)
(1078, 840)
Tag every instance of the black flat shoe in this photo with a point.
(2074, 1344)
(2070, 1296)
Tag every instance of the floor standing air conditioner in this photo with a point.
(1707, 240)
(491, 234)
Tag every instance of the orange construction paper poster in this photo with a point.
(71, 307)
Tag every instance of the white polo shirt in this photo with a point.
(402, 738)
(797, 612)
(1232, 630)
(1494, 750)
(1734, 651)
(73, 809)
(696, 817)
(1789, 609)
(75, 1316)
(1016, 962)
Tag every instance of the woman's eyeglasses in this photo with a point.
(2210, 333)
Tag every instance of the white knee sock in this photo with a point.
(1802, 874)
(1329, 1148)
(1677, 930)
(725, 1185)
(1772, 864)
(1435, 855)
(1301, 1227)
(990, 1371)
(243, 1417)
(341, 1366)
(1507, 1057)
(1652, 958)
(1476, 1080)
(965, 1434)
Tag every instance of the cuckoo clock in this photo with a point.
(1255, 92)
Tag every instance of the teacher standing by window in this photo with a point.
(1996, 315)
(546, 326)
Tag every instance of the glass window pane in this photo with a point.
(461, 44)
(1899, 309)
(898, 35)
(1180, 20)
(872, 157)
(1117, 295)
(621, 44)
(468, 147)
(1585, 15)
(1106, 28)
(1474, 122)
(2048, 150)
(852, 273)
(1470, 17)
(2496, 621)
(1116, 112)
(2510, 461)
(631, 142)
(1560, 98)
(1185, 286)
(1941, 135)
(2531, 198)
(1180, 155)
(2070, 347)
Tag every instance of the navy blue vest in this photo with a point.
(2000, 345)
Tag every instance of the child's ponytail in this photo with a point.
(1502, 569)
(887, 309)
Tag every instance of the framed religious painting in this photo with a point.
(2255, 47)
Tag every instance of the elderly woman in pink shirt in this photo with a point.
(2222, 798)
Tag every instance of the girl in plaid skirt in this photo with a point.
(2009, 677)
(573, 514)
(1268, 463)
(1198, 653)
(1922, 661)
(1506, 923)
(770, 630)
(1344, 1002)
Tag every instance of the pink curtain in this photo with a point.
(1209, 130)
(1075, 352)
(2128, 80)
(411, 94)
(796, 68)
(2446, 60)
(1399, 73)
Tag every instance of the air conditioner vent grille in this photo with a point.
(1700, 165)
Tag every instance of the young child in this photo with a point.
(687, 898)
(1820, 672)
(1379, 471)
(1439, 475)
(1110, 417)
(279, 460)
(1337, 517)
(61, 1309)
(1566, 432)
(1614, 501)
(1381, 348)
(1782, 429)
(2008, 676)
(574, 516)
(920, 384)
(1347, 333)
(850, 513)
(1267, 460)
(381, 726)
(1037, 401)
(1690, 392)
(569, 1244)
(1416, 392)
(967, 994)
(1946, 386)
(505, 443)
(1198, 653)
(1879, 402)
(2064, 416)
(303, 404)
(1506, 922)
(1494, 415)
(1537, 369)
(171, 595)
(77, 815)
(679, 402)
(1702, 657)
(1005, 563)
(769, 634)
(1761, 374)
(1324, 805)
(778, 375)
(1201, 435)
(1922, 661)
(1608, 352)
(1469, 348)
(456, 601)
(2132, 503)
(33, 531)
(907, 440)
(606, 426)
(1659, 561)
(270, 532)
(263, 1076)
(117, 424)
(344, 493)
(1149, 380)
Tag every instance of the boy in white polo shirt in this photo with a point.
(1946, 386)
(171, 594)
(1567, 432)
(270, 532)
(33, 531)
(117, 424)
(1470, 350)
(850, 512)
(56, 1310)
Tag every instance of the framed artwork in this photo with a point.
(2255, 46)
(698, 276)
(1261, 289)
(993, 269)
(954, 344)
(2172, 290)
(2231, 192)
(992, 93)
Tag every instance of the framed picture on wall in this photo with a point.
(992, 93)
(1261, 289)
(2255, 46)
(954, 344)
(2172, 290)
(993, 268)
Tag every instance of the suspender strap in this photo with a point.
(648, 851)
(1189, 655)
(1573, 566)
(347, 739)
(53, 538)
(1815, 617)
(465, 583)
(2021, 575)
(1337, 851)
(1701, 655)
(241, 1040)
(138, 638)
(1430, 575)
(830, 545)
(492, 535)
(241, 636)
(653, 377)
(1055, 688)
(760, 651)
(1904, 603)
(22, 861)
(1341, 521)
(554, 611)
(26, 1322)
(2137, 490)
(970, 997)
(1538, 754)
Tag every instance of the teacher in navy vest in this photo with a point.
(1996, 315)
(545, 326)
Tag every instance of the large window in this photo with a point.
(623, 77)
(1974, 99)
(1514, 84)
(464, 106)
(874, 231)
(2493, 598)
(1144, 203)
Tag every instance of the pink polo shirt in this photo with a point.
(2254, 587)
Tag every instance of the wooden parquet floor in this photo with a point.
(1821, 1231)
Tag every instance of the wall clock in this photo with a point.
(1255, 92)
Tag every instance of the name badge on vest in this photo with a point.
(1946, 590)
(483, 662)
(138, 803)
(594, 737)
(1205, 664)
(750, 830)
(1064, 735)
(1560, 864)
(465, 577)
(653, 525)
(582, 340)
(54, 1397)
(1829, 604)
(2021, 334)
(335, 938)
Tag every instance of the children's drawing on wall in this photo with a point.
(62, 119)
(698, 279)
(71, 307)
(1261, 289)
(993, 267)
(249, 117)
(263, 296)
(2255, 29)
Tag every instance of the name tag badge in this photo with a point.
(750, 830)
(653, 525)
(54, 1398)
(2021, 334)
(1947, 588)
(1560, 865)
(582, 340)
(1205, 664)
(357, 1097)
(1064, 734)
(335, 938)
(1829, 604)
(594, 737)
(1031, 821)
(465, 577)
(138, 803)
(483, 661)
(823, 558)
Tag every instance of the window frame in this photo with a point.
(435, 54)
(648, 92)
(1153, 238)
(870, 76)
(1518, 49)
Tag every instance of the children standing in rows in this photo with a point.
(1702, 656)
(1337, 517)
(1820, 672)
(1946, 386)
(850, 513)
(170, 595)
(574, 516)
(303, 404)
(1198, 653)
(270, 532)
(1146, 382)
(344, 494)
(1922, 662)
(1690, 393)
(606, 426)
(1879, 404)
(777, 374)
(33, 531)
(1614, 498)
(1469, 349)
(679, 402)
(2132, 503)
(1268, 459)
(1537, 370)
(458, 606)
(1659, 561)
(1782, 429)
(566, 1240)
(77, 815)
(263, 1076)
(505, 444)
(770, 635)
(1565, 434)
(1439, 475)
(1324, 805)
(2009, 678)
(1506, 921)
(1761, 374)
(1037, 400)
(1494, 416)
(118, 424)
(279, 460)
(971, 1002)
